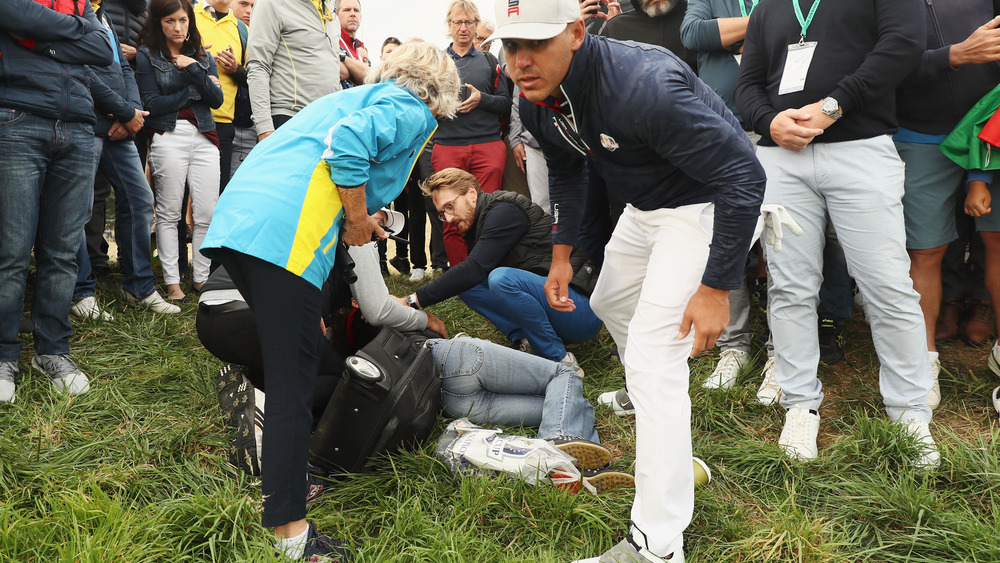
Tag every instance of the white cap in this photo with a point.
(533, 19)
(394, 221)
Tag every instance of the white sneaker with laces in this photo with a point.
(65, 376)
(617, 401)
(934, 395)
(627, 551)
(8, 372)
(929, 457)
(729, 366)
(87, 308)
(769, 391)
(417, 274)
(798, 437)
(157, 304)
(570, 362)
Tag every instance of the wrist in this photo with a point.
(412, 301)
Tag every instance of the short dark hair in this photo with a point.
(390, 41)
(152, 31)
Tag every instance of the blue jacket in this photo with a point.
(658, 137)
(166, 89)
(283, 204)
(44, 74)
(113, 87)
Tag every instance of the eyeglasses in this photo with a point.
(467, 23)
(448, 208)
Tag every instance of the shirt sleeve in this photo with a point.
(262, 43)
(700, 29)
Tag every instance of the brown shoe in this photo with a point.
(947, 321)
(980, 323)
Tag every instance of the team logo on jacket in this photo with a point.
(608, 142)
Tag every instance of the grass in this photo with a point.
(136, 470)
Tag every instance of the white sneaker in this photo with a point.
(157, 304)
(417, 274)
(934, 395)
(729, 366)
(994, 360)
(87, 308)
(798, 437)
(62, 370)
(996, 399)
(570, 362)
(769, 391)
(929, 457)
(617, 401)
(8, 372)
(628, 552)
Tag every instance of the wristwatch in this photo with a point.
(411, 300)
(343, 55)
(831, 107)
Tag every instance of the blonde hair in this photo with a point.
(451, 179)
(425, 71)
(468, 6)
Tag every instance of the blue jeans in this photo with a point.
(46, 192)
(493, 384)
(514, 300)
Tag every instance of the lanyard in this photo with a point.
(804, 22)
(743, 8)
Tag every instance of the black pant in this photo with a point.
(287, 312)
(97, 245)
(226, 133)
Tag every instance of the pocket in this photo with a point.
(87, 128)
(459, 358)
(11, 116)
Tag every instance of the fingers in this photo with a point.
(380, 232)
(992, 24)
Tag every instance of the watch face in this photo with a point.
(830, 105)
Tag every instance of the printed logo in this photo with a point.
(513, 8)
(608, 142)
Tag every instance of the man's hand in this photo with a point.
(435, 324)
(557, 284)
(978, 202)
(789, 134)
(117, 131)
(359, 232)
(591, 9)
(708, 311)
(400, 300)
(519, 155)
(983, 46)
(227, 60)
(472, 102)
(263, 136)
(814, 118)
(135, 124)
(129, 52)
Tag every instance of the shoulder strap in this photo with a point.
(242, 28)
(494, 68)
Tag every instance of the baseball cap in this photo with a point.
(394, 221)
(533, 19)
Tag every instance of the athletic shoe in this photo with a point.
(994, 360)
(315, 482)
(321, 549)
(798, 437)
(929, 457)
(729, 366)
(87, 308)
(628, 551)
(570, 362)
(401, 264)
(618, 401)
(769, 391)
(8, 373)
(65, 376)
(157, 304)
(831, 342)
(243, 407)
(417, 274)
(934, 395)
(587, 454)
(607, 479)
(996, 399)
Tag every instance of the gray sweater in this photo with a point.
(293, 58)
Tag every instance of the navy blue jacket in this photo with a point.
(44, 75)
(166, 89)
(113, 88)
(658, 137)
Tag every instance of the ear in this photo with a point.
(578, 32)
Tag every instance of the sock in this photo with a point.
(293, 548)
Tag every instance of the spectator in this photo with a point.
(471, 141)
(656, 22)
(279, 245)
(291, 59)
(508, 237)
(657, 144)
(528, 156)
(48, 161)
(349, 13)
(826, 150)
(245, 137)
(179, 87)
(127, 17)
(483, 30)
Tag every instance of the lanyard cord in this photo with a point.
(804, 22)
(743, 8)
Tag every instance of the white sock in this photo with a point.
(293, 548)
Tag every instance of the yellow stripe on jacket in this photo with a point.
(320, 210)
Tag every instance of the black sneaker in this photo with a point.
(401, 264)
(588, 455)
(831, 342)
(322, 549)
(316, 482)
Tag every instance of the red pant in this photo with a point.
(486, 162)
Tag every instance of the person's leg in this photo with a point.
(616, 294)
(244, 140)
(227, 135)
(203, 179)
(521, 294)
(991, 240)
(169, 158)
(493, 384)
(416, 224)
(538, 177)
(486, 163)
(737, 334)
(864, 190)
(85, 285)
(451, 156)
(97, 245)
(402, 204)
(134, 214)
(480, 300)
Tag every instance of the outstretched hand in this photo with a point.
(708, 313)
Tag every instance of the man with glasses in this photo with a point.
(471, 141)
(509, 255)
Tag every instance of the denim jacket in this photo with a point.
(166, 89)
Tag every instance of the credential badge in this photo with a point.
(608, 142)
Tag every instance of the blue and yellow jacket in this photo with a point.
(282, 205)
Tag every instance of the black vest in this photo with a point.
(533, 252)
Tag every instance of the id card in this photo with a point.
(793, 79)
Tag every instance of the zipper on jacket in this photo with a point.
(955, 99)
(568, 129)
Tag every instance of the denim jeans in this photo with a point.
(493, 384)
(46, 191)
(514, 300)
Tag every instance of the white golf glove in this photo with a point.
(774, 216)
